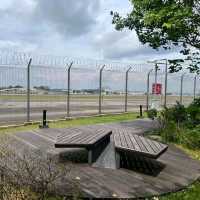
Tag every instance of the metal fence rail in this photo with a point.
(68, 87)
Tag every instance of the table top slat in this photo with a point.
(140, 143)
(137, 147)
(117, 139)
(126, 141)
(122, 139)
(155, 149)
(146, 144)
(81, 137)
(86, 138)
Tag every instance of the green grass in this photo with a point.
(77, 122)
(191, 193)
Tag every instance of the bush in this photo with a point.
(178, 113)
(30, 174)
(191, 138)
(170, 132)
(170, 121)
(193, 111)
(180, 125)
(196, 102)
(152, 113)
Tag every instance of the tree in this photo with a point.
(164, 23)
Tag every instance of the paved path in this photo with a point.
(173, 171)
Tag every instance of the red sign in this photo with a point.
(157, 88)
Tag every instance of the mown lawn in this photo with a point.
(77, 122)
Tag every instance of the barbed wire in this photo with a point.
(11, 57)
(15, 58)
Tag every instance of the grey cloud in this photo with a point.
(68, 17)
(125, 45)
(17, 23)
(33, 21)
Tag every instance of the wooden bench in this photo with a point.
(128, 142)
(94, 140)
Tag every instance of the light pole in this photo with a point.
(166, 79)
(156, 73)
(148, 84)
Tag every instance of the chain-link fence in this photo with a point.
(67, 87)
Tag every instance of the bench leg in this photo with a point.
(90, 156)
(95, 151)
(117, 158)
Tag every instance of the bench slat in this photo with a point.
(126, 141)
(136, 146)
(155, 149)
(81, 137)
(148, 147)
(140, 143)
(87, 137)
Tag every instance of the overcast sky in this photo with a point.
(74, 28)
(78, 28)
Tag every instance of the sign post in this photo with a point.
(156, 91)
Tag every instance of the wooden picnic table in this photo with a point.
(94, 140)
(128, 142)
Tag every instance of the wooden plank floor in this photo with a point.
(176, 170)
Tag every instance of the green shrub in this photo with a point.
(152, 113)
(191, 138)
(178, 113)
(170, 132)
(180, 125)
(196, 102)
(193, 111)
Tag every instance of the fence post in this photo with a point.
(148, 80)
(126, 89)
(141, 111)
(100, 87)
(195, 86)
(166, 77)
(156, 73)
(68, 88)
(181, 92)
(28, 89)
(44, 120)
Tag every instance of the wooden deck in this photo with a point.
(174, 170)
